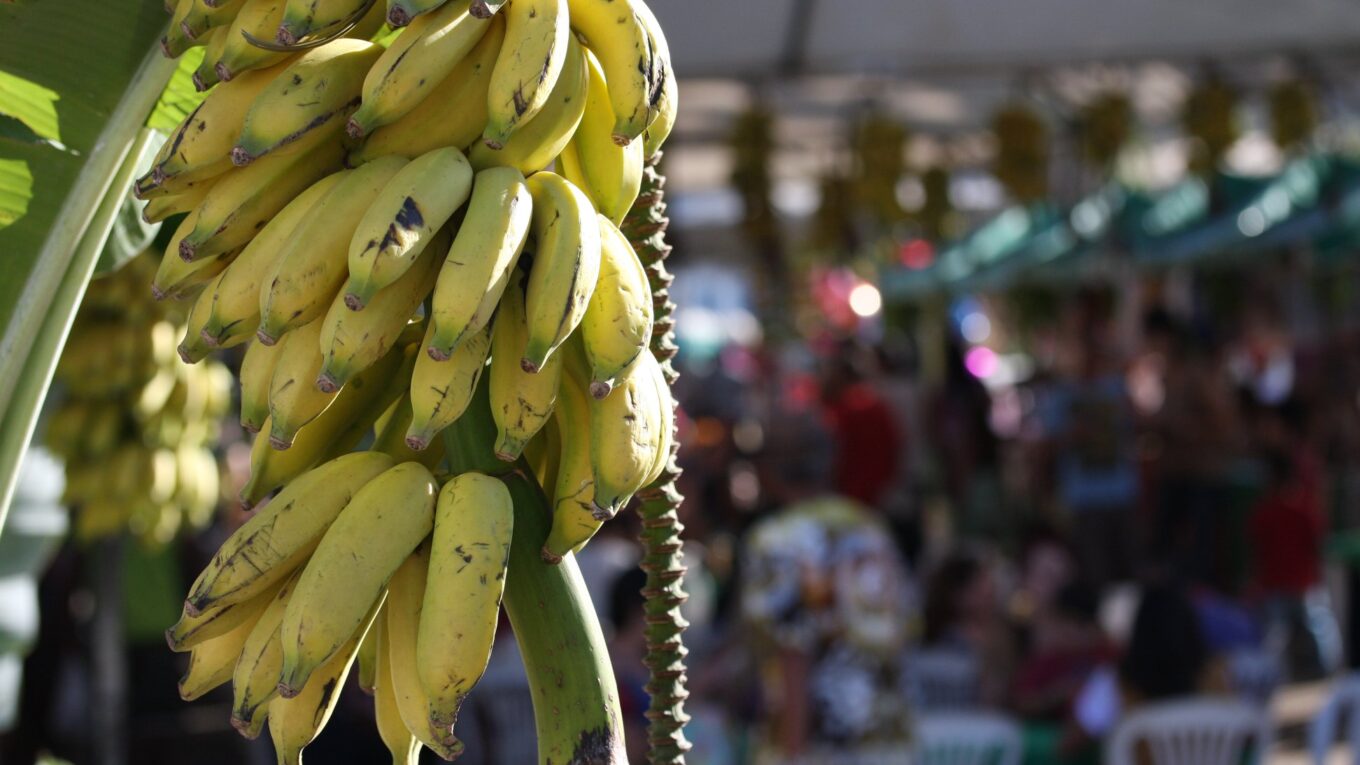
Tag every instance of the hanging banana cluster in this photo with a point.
(937, 217)
(135, 425)
(376, 225)
(1105, 124)
(833, 224)
(1293, 113)
(1022, 147)
(1209, 117)
(752, 141)
(878, 146)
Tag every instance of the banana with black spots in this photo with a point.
(530, 61)
(566, 241)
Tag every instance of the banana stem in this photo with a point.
(663, 559)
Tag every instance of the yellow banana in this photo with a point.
(669, 101)
(296, 722)
(192, 349)
(441, 390)
(391, 438)
(175, 278)
(406, 601)
(625, 436)
(254, 681)
(234, 307)
(259, 19)
(191, 631)
(159, 208)
(335, 431)
(473, 522)
(608, 173)
(312, 267)
(530, 61)
(257, 369)
(205, 76)
(401, 12)
(573, 492)
(417, 61)
(294, 399)
(212, 661)
(484, 252)
(617, 325)
(368, 655)
(537, 141)
(351, 342)
(617, 36)
(348, 572)
(403, 219)
(246, 199)
(663, 452)
(203, 18)
(521, 403)
(174, 42)
(305, 18)
(453, 114)
(281, 535)
(485, 9)
(307, 102)
(544, 455)
(566, 247)
(403, 745)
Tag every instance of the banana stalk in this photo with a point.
(576, 706)
(663, 559)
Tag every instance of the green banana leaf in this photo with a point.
(78, 80)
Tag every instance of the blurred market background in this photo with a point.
(1020, 353)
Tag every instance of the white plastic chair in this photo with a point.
(941, 679)
(1339, 716)
(1255, 673)
(1192, 732)
(967, 738)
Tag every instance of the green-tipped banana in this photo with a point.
(576, 707)
(259, 19)
(311, 270)
(573, 492)
(308, 18)
(403, 219)
(211, 662)
(384, 522)
(269, 546)
(401, 12)
(205, 76)
(174, 42)
(234, 308)
(418, 60)
(159, 208)
(441, 390)
(473, 523)
(191, 631)
(353, 341)
(608, 173)
(617, 325)
(245, 200)
(625, 436)
(618, 37)
(453, 114)
(368, 657)
(294, 399)
(404, 746)
(176, 278)
(406, 601)
(202, 18)
(536, 33)
(257, 369)
(296, 722)
(521, 403)
(391, 438)
(537, 141)
(255, 680)
(478, 265)
(566, 242)
(192, 349)
(334, 432)
(307, 102)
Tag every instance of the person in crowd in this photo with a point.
(1287, 528)
(863, 428)
(962, 611)
(967, 449)
(1067, 645)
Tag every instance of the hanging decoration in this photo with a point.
(878, 146)
(1293, 113)
(1209, 117)
(1104, 126)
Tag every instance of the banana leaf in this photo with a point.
(78, 79)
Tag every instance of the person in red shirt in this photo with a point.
(864, 429)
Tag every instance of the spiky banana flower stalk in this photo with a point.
(663, 559)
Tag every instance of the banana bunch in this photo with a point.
(1105, 124)
(135, 425)
(1209, 116)
(1021, 162)
(377, 226)
(879, 145)
(1293, 113)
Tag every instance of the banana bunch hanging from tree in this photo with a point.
(879, 143)
(1210, 117)
(1021, 163)
(1105, 124)
(135, 426)
(377, 224)
(1293, 113)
